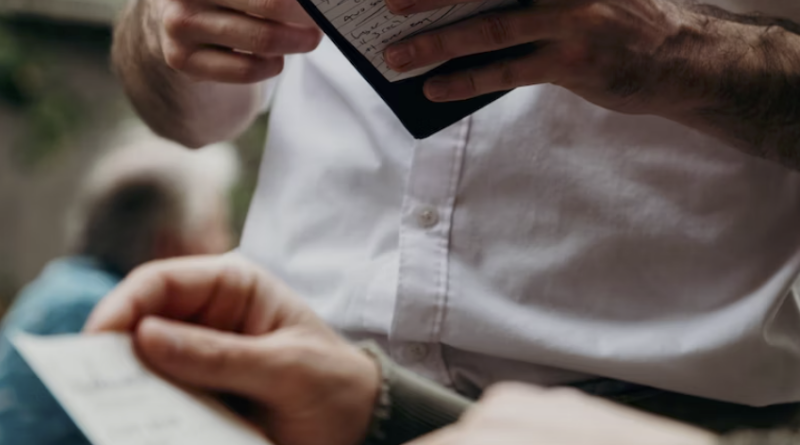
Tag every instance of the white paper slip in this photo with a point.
(370, 27)
(115, 400)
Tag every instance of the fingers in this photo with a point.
(488, 32)
(500, 76)
(226, 66)
(227, 29)
(278, 10)
(233, 41)
(183, 289)
(231, 47)
(202, 357)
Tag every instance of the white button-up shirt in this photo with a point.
(542, 239)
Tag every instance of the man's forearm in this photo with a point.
(174, 106)
(737, 77)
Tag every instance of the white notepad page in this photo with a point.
(115, 400)
(371, 27)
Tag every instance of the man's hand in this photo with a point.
(516, 414)
(192, 68)
(230, 41)
(589, 46)
(223, 324)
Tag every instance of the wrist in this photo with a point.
(718, 67)
(685, 68)
(367, 396)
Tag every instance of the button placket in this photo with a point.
(428, 205)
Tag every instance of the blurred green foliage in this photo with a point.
(36, 62)
(52, 113)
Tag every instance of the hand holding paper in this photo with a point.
(371, 27)
(603, 50)
(222, 324)
(116, 401)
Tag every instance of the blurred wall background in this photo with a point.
(59, 106)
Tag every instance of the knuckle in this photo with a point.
(495, 29)
(591, 14)
(230, 274)
(176, 56)
(177, 18)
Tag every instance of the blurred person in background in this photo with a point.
(148, 199)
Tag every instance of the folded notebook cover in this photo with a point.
(420, 116)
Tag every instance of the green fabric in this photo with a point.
(409, 406)
(419, 406)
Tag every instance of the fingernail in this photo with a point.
(399, 5)
(398, 56)
(436, 89)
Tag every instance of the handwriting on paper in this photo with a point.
(115, 400)
(370, 27)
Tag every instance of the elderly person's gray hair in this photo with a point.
(144, 188)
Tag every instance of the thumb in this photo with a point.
(202, 357)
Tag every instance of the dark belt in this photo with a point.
(713, 415)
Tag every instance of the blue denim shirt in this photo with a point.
(57, 302)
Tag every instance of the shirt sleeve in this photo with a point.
(29, 414)
(409, 406)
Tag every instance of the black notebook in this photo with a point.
(362, 29)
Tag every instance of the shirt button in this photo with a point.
(427, 217)
(416, 352)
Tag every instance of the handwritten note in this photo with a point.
(115, 400)
(371, 27)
